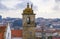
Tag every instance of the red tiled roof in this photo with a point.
(16, 33)
(1, 36)
(55, 37)
(2, 30)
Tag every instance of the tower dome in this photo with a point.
(28, 10)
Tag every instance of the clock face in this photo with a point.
(28, 20)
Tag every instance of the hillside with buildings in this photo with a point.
(17, 22)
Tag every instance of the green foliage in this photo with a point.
(50, 37)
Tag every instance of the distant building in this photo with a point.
(50, 32)
(18, 34)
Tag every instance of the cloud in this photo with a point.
(16, 4)
(57, 0)
(10, 3)
(57, 5)
(3, 7)
(11, 13)
(23, 4)
(56, 8)
(10, 0)
(13, 7)
(42, 8)
(46, 8)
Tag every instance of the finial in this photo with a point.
(27, 5)
(31, 6)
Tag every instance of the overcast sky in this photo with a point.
(42, 8)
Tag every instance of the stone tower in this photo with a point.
(28, 23)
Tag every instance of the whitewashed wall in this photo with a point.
(8, 32)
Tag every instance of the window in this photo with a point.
(28, 20)
(30, 32)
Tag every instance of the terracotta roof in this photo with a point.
(16, 33)
(2, 30)
(1, 36)
(55, 37)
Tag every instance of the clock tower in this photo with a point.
(28, 23)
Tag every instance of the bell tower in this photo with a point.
(28, 23)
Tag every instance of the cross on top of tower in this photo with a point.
(27, 5)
